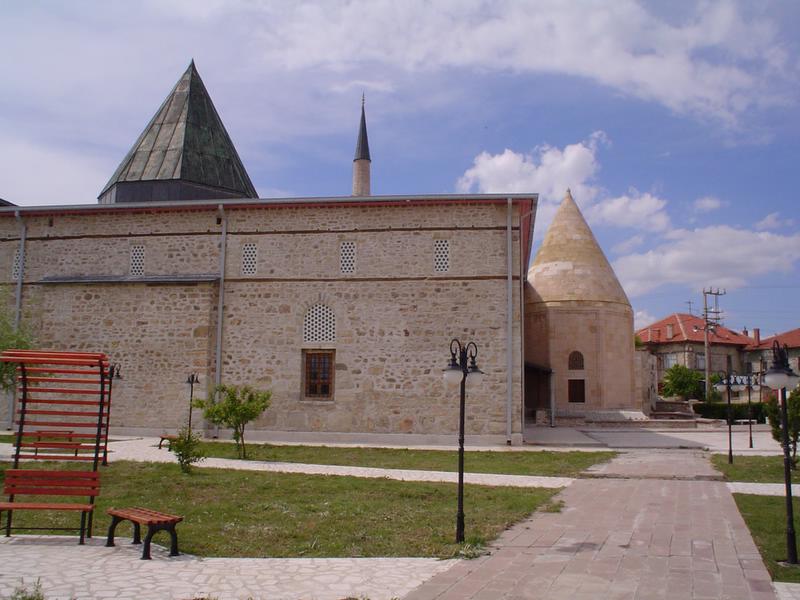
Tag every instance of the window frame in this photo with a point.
(570, 386)
(306, 366)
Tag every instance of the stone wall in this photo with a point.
(395, 315)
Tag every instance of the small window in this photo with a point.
(16, 267)
(319, 324)
(700, 361)
(137, 261)
(577, 390)
(318, 372)
(249, 259)
(441, 256)
(575, 361)
(347, 257)
(670, 360)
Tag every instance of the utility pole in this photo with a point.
(711, 318)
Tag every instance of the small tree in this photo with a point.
(793, 416)
(10, 338)
(683, 381)
(186, 448)
(236, 407)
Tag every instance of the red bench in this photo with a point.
(155, 522)
(23, 482)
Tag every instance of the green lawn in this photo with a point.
(766, 518)
(756, 469)
(560, 464)
(249, 514)
(7, 438)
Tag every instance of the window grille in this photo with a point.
(575, 361)
(441, 256)
(347, 257)
(249, 259)
(137, 261)
(319, 324)
(16, 267)
(318, 374)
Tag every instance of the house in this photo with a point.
(343, 307)
(758, 354)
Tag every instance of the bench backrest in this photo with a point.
(51, 483)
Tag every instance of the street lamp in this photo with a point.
(191, 380)
(460, 366)
(729, 382)
(779, 377)
(750, 383)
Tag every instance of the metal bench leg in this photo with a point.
(83, 528)
(137, 533)
(147, 538)
(173, 548)
(91, 521)
(111, 528)
(8, 523)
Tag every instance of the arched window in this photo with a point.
(319, 324)
(575, 361)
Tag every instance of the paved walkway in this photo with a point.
(622, 539)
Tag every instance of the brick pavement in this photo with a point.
(629, 538)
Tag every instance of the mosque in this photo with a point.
(343, 307)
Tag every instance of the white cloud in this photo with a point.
(76, 179)
(634, 209)
(773, 221)
(629, 244)
(642, 318)
(707, 204)
(719, 256)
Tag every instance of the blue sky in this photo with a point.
(676, 125)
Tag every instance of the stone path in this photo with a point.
(94, 571)
(622, 539)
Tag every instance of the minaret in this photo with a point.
(361, 162)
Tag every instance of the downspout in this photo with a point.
(23, 234)
(223, 244)
(509, 322)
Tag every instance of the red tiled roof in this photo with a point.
(689, 328)
(790, 338)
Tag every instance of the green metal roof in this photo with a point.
(186, 140)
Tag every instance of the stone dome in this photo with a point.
(570, 266)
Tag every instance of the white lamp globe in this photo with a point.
(776, 379)
(475, 376)
(452, 375)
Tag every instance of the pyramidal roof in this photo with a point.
(186, 141)
(362, 145)
(570, 266)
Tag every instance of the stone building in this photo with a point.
(579, 351)
(343, 307)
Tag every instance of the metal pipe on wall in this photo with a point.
(223, 244)
(509, 321)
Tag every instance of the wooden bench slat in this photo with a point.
(59, 424)
(45, 506)
(144, 516)
(60, 413)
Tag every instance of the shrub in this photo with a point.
(186, 448)
(683, 381)
(234, 406)
(23, 593)
(793, 416)
(719, 410)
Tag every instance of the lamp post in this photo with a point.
(191, 380)
(750, 382)
(728, 382)
(779, 377)
(460, 366)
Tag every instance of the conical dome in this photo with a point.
(570, 266)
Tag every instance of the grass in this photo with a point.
(7, 438)
(766, 518)
(561, 464)
(756, 469)
(249, 514)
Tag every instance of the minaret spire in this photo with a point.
(361, 162)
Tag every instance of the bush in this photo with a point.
(793, 415)
(237, 406)
(719, 410)
(186, 449)
(683, 381)
(23, 593)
